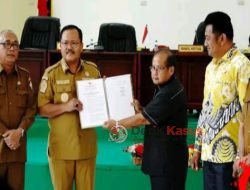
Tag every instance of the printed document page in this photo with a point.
(91, 93)
(119, 96)
(105, 99)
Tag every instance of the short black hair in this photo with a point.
(249, 40)
(71, 27)
(171, 59)
(221, 23)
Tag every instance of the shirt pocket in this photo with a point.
(63, 93)
(22, 97)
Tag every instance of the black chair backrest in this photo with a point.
(199, 38)
(117, 37)
(40, 32)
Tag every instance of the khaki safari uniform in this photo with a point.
(71, 150)
(246, 120)
(17, 109)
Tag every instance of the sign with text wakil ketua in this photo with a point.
(190, 48)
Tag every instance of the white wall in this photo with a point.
(171, 22)
(15, 12)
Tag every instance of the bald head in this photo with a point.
(167, 56)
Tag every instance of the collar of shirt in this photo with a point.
(164, 86)
(2, 69)
(65, 66)
(227, 56)
(173, 77)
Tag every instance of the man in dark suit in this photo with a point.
(165, 154)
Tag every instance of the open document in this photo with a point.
(105, 99)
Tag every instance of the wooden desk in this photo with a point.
(190, 69)
(35, 62)
(109, 63)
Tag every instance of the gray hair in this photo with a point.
(7, 31)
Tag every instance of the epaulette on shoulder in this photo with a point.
(49, 69)
(23, 69)
(90, 63)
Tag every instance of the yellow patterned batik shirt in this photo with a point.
(225, 87)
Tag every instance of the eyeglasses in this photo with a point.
(157, 69)
(8, 45)
(74, 45)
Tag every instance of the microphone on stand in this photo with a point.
(91, 44)
(94, 46)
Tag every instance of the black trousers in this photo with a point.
(218, 176)
(174, 180)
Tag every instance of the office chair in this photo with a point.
(199, 38)
(117, 37)
(40, 32)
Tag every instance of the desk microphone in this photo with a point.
(91, 44)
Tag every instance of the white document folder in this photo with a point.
(105, 99)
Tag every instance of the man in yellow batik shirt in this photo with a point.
(226, 80)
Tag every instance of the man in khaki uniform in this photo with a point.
(246, 125)
(17, 111)
(72, 150)
(243, 160)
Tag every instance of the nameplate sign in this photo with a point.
(190, 48)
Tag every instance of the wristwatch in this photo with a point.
(22, 131)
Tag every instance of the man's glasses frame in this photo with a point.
(157, 69)
(8, 45)
(74, 45)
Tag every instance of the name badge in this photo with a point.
(62, 82)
